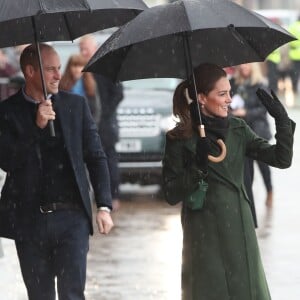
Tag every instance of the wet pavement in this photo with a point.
(140, 259)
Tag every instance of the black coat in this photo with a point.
(256, 116)
(111, 94)
(19, 157)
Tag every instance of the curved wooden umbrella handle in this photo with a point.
(215, 159)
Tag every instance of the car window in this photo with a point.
(152, 84)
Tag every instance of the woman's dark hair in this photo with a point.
(206, 76)
(67, 80)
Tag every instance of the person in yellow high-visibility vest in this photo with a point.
(294, 53)
(272, 69)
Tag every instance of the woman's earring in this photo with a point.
(200, 99)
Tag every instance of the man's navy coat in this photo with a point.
(19, 157)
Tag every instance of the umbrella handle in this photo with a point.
(217, 159)
(214, 159)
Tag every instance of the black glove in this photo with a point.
(194, 112)
(202, 150)
(273, 106)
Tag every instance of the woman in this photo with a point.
(84, 84)
(71, 79)
(221, 258)
(247, 79)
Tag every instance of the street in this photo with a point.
(140, 259)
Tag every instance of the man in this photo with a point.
(111, 95)
(45, 204)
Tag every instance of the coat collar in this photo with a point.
(233, 144)
(62, 110)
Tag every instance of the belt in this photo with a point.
(51, 207)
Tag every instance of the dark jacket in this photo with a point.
(111, 95)
(19, 157)
(256, 114)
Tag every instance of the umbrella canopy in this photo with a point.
(34, 21)
(28, 21)
(170, 40)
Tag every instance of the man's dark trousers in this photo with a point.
(58, 247)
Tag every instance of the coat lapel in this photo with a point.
(63, 113)
(225, 169)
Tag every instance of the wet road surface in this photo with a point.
(140, 259)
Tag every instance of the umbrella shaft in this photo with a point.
(41, 70)
(51, 124)
(189, 70)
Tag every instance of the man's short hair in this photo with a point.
(29, 56)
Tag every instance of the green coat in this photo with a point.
(221, 259)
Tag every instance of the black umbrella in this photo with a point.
(28, 21)
(170, 40)
(34, 21)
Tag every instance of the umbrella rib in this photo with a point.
(121, 65)
(87, 5)
(233, 30)
(186, 16)
(68, 27)
(42, 8)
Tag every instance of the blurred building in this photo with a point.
(252, 4)
(151, 3)
(270, 4)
